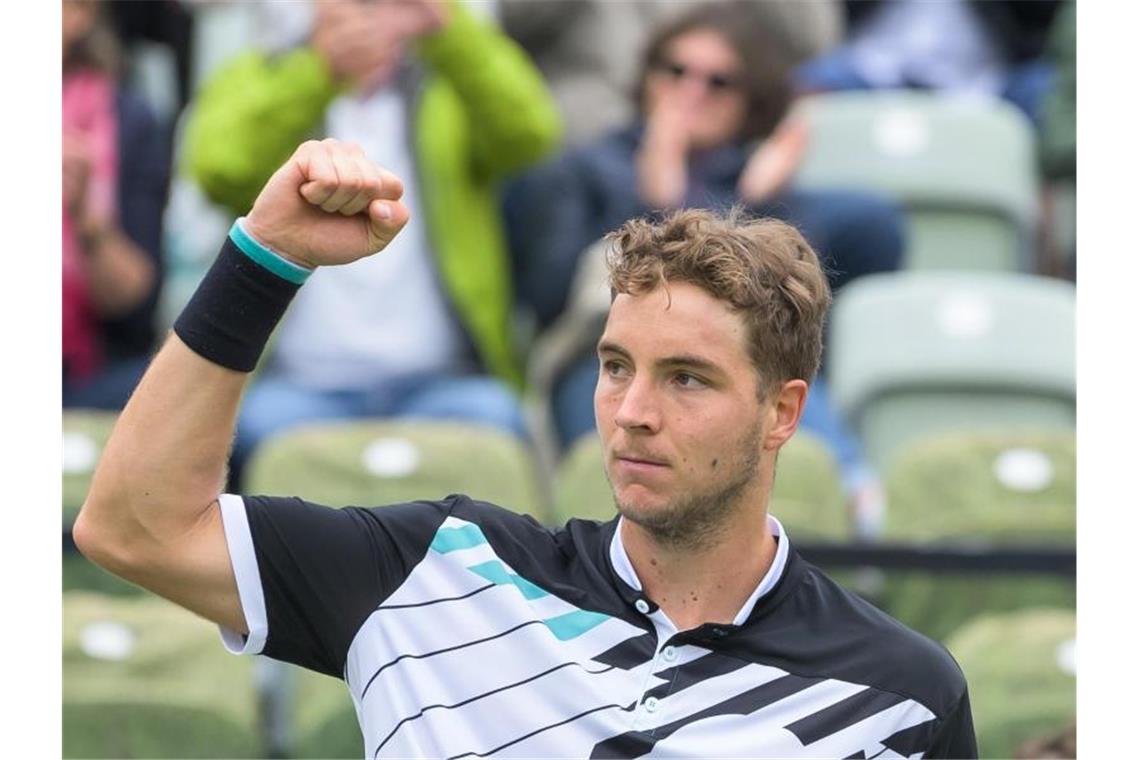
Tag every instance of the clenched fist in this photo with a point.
(328, 205)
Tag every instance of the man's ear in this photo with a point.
(786, 406)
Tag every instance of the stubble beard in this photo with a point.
(695, 520)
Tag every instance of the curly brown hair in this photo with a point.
(766, 61)
(763, 268)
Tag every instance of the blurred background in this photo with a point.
(926, 149)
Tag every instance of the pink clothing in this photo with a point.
(89, 111)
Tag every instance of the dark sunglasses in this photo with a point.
(715, 82)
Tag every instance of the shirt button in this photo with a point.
(651, 704)
(669, 654)
(642, 606)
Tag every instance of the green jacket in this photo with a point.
(483, 111)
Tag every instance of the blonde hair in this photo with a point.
(762, 268)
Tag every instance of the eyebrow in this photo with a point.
(679, 360)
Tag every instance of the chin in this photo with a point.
(638, 504)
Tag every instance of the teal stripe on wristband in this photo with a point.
(274, 262)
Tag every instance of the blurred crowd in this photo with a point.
(524, 130)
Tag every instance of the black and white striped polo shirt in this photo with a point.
(464, 630)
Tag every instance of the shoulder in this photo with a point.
(866, 645)
(503, 528)
(570, 561)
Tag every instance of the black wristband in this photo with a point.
(234, 310)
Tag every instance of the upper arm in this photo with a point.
(307, 576)
(956, 737)
(192, 569)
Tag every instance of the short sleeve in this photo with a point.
(309, 575)
(955, 737)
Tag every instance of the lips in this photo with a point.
(641, 460)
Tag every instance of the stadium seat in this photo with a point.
(807, 497)
(85, 432)
(919, 353)
(984, 489)
(963, 169)
(370, 463)
(144, 678)
(1021, 671)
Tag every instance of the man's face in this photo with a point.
(678, 410)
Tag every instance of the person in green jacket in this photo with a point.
(450, 104)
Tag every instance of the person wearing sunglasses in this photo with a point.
(715, 128)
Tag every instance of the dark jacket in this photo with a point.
(560, 208)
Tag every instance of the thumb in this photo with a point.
(385, 220)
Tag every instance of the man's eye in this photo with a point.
(613, 368)
(685, 380)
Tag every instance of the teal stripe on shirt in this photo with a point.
(574, 624)
(454, 539)
(497, 573)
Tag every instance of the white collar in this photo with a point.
(625, 571)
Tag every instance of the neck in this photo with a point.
(708, 584)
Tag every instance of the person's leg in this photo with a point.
(572, 400)
(110, 389)
(479, 399)
(272, 405)
(855, 233)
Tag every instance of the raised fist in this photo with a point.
(328, 205)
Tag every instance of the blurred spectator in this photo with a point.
(583, 47)
(116, 171)
(451, 121)
(1057, 150)
(709, 84)
(984, 47)
(168, 23)
(1058, 139)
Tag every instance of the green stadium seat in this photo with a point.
(914, 354)
(964, 170)
(1001, 490)
(370, 463)
(1021, 671)
(807, 497)
(145, 678)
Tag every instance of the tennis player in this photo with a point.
(687, 626)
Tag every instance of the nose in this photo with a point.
(638, 409)
(691, 87)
